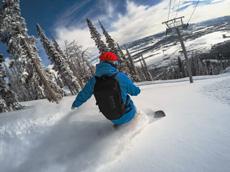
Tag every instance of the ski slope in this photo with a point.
(194, 136)
(164, 55)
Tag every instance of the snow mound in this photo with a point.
(220, 90)
(227, 70)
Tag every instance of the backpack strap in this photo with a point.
(114, 75)
(105, 76)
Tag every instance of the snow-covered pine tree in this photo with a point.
(115, 48)
(70, 61)
(59, 63)
(120, 53)
(201, 67)
(15, 85)
(148, 76)
(53, 76)
(95, 35)
(181, 67)
(125, 64)
(58, 48)
(78, 60)
(50, 90)
(142, 70)
(71, 51)
(193, 65)
(10, 36)
(13, 33)
(8, 99)
(85, 60)
(110, 42)
(3, 106)
(133, 68)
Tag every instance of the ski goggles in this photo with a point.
(116, 63)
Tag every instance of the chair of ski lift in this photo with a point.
(185, 26)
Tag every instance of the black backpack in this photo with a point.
(107, 93)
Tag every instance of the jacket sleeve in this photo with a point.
(85, 93)
(129, 86)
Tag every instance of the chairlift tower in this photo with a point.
(175, 25)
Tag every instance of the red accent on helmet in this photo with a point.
(108, 56)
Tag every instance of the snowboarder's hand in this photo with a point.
(72, 107)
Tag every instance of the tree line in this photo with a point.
(25, 78)
(209, 63)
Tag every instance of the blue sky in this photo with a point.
(51, 14)
(67, 13)
(126, 20)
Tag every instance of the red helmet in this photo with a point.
(108, 56)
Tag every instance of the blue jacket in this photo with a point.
(126, 85)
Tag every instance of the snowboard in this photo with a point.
(154, 114)
(146, 116)
(143, 119)
(159, 114)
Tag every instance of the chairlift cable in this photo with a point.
(177, 8)
(194, 10)
(170, 3)
(173, 7)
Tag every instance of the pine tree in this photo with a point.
(52, 91)
(148, 76)
(133, 68)
(70, 61)
(72, 53)
(201, 67)
(85, 58)
(13, 33)
(110, 42)
(75, 56)
(115, 48)
(52, 75)
(58, 48)
(8, 99)
(59, 63)
(78, 60)
(3, 106)
(181, 67)
(125, 64)
(142, 71)
(95, 35)
(15, 85)
(120, 53)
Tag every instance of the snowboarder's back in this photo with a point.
(107, 67)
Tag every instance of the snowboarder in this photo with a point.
(111, 89)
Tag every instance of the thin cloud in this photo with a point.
(141, 20)
(69, 15)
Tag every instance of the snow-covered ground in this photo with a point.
(204, 43)
(194, 136)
